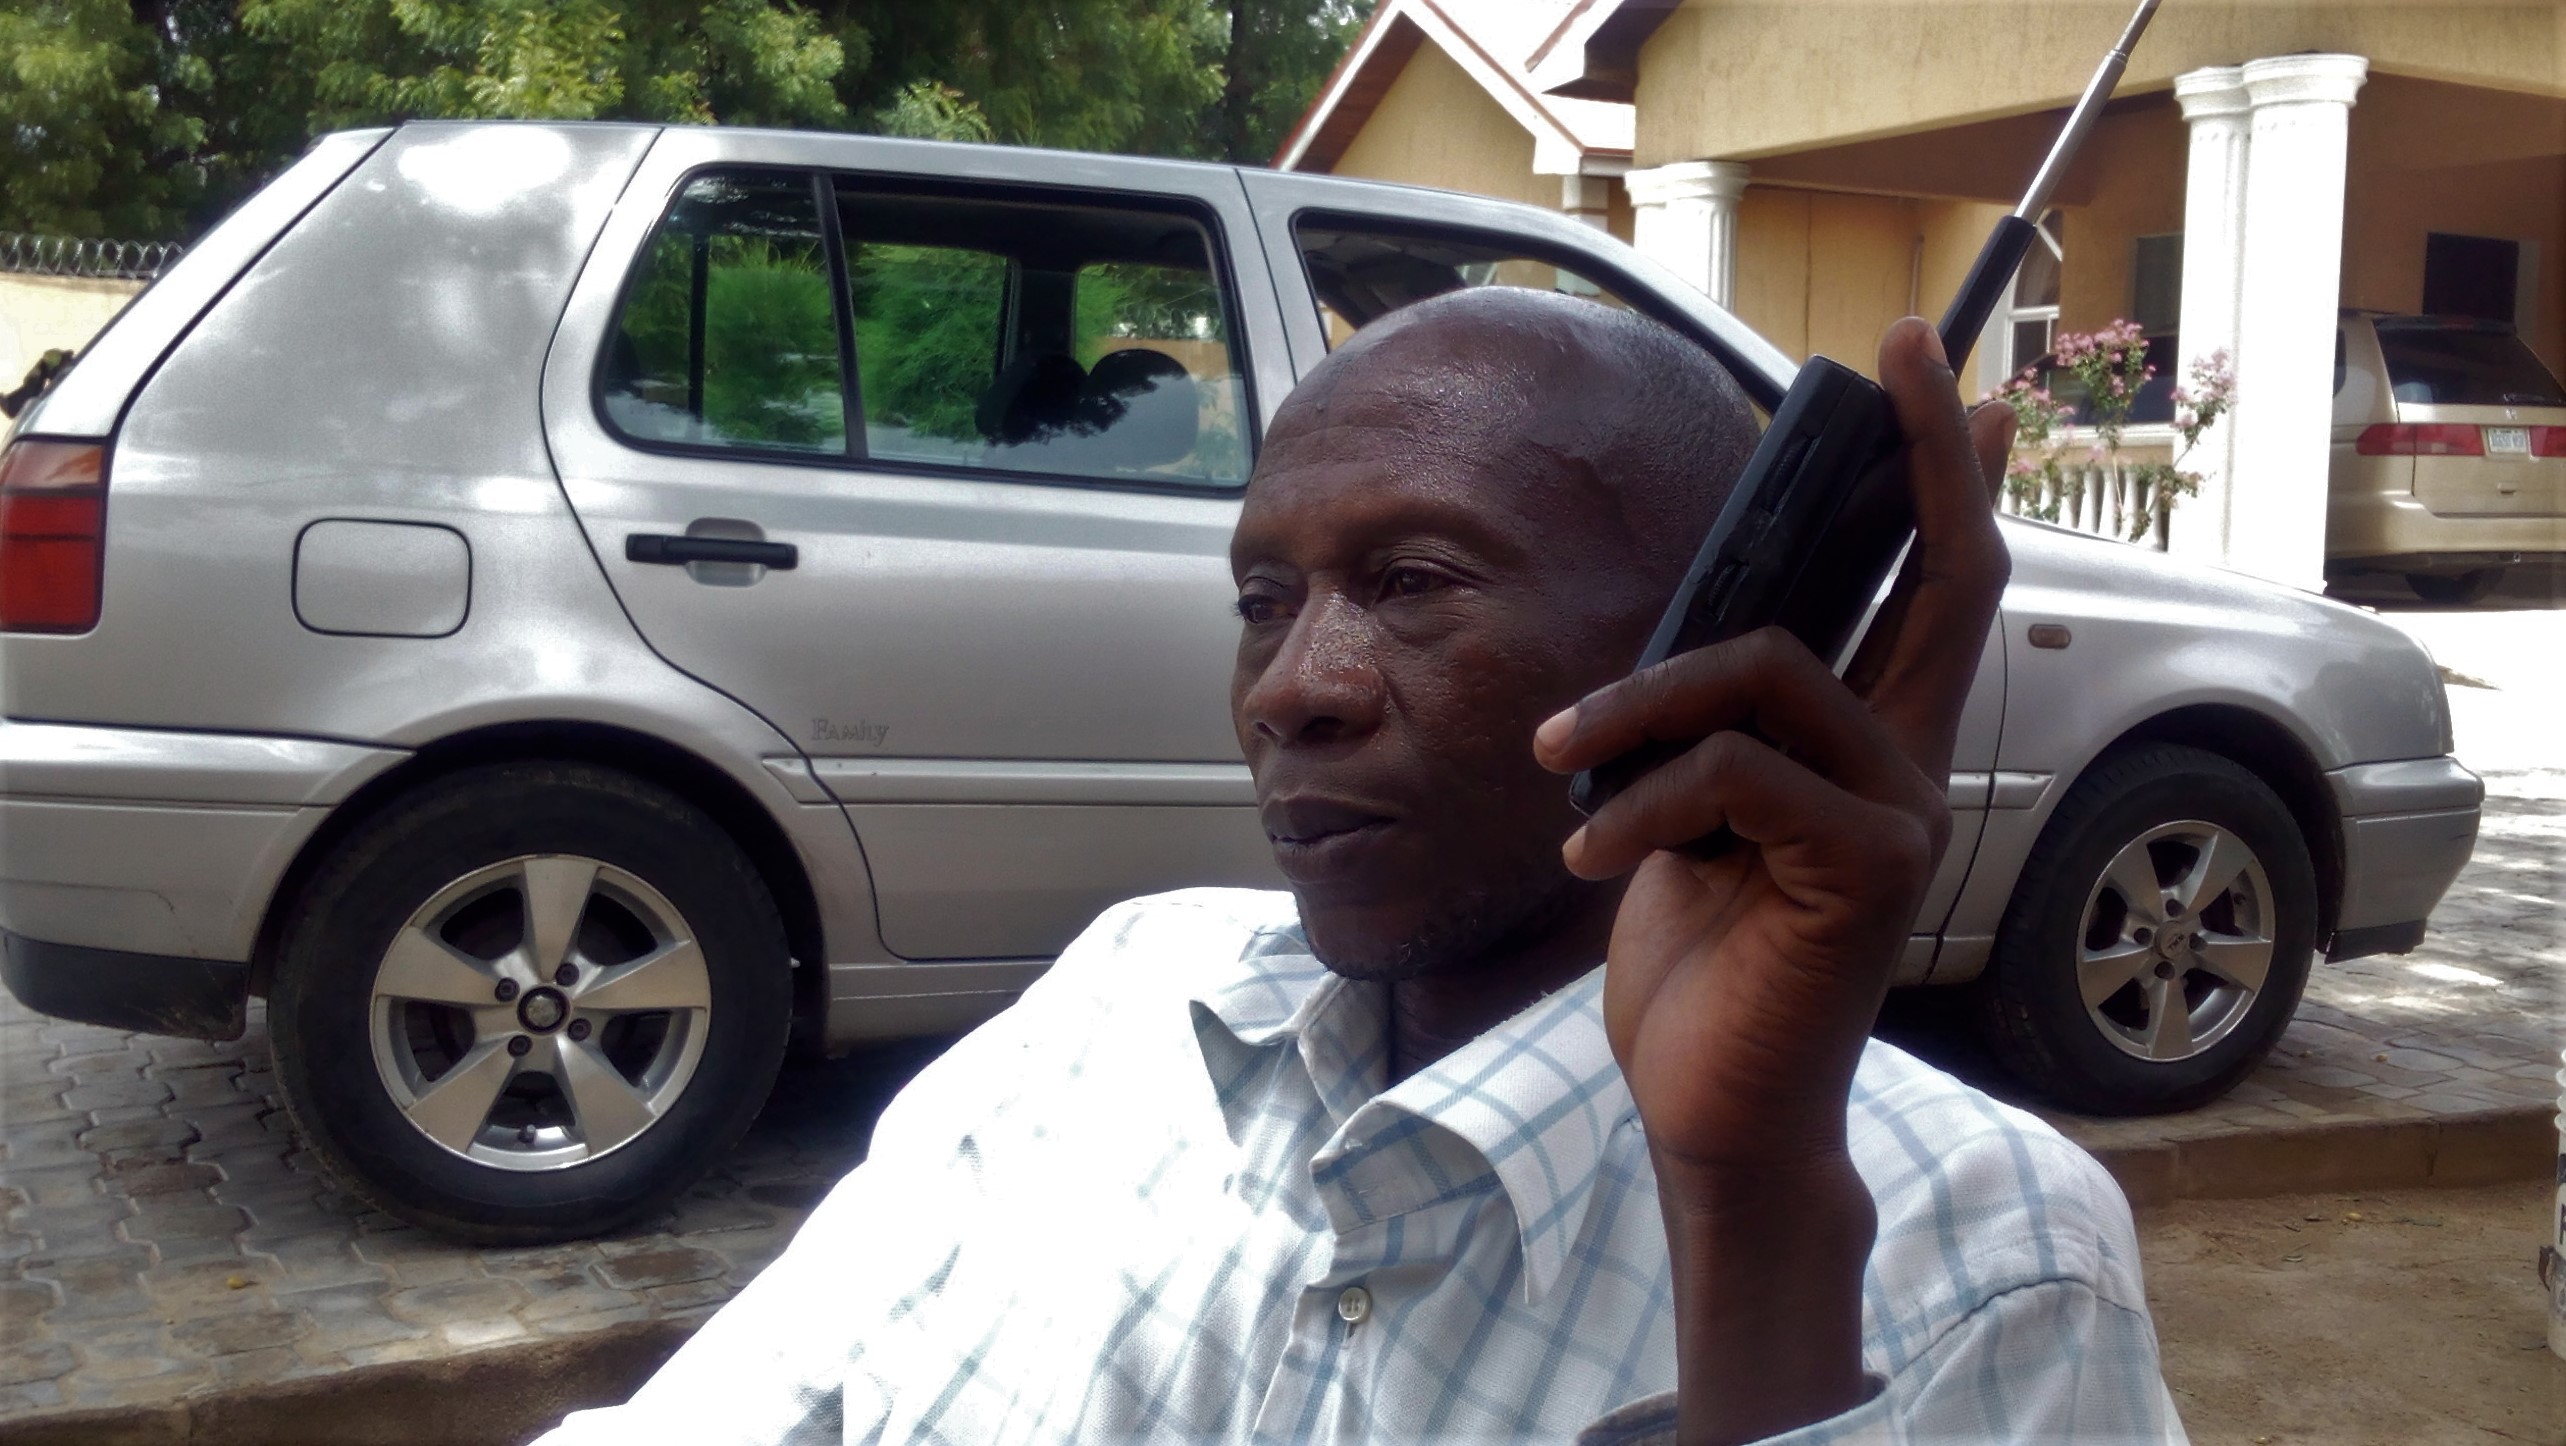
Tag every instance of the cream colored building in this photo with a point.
(1825, 166)
(39, 313)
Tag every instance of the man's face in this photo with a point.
(1414, 604)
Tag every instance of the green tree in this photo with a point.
(1208, 79)
(930, 110)
(87, 138)
(735, 61)
(1277, 54)
(149, 118)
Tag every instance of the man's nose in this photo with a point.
(1322, 685)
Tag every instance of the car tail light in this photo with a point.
(2432, 439)
(53, 535)
(2548, 441)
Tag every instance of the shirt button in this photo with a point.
(1354, 1305)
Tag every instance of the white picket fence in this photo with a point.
(2103, 499)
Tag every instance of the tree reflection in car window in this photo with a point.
(926, 340)
(728, 335)
(1032, 337)
(986, 333)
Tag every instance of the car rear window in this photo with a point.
(1359, 274)
(2454, 366)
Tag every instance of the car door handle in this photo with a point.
(665, 548)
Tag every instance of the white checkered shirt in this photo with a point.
(1138, 1207)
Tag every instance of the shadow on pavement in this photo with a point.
(2526, 586)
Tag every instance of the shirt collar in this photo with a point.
(1538, 1097)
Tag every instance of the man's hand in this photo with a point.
(1740, 990)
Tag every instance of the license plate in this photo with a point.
(2512, 441)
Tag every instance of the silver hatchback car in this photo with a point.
(567, 612)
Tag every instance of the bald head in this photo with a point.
(1534, 392)
(1465, 519)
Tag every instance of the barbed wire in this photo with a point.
(86, 256)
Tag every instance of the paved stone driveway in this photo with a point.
(2470, 1023)
(162, 1236)
(2466, 1025)
(165, 1235)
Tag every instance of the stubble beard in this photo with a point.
(1471, 923)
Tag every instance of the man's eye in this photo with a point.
(1257, 608)
(1408, 582)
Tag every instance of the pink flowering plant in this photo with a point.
(2208, 389)
(2034, 479)
(2110, 367)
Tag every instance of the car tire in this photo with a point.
(586, 1090)
(2076, 998)
(2456, 589)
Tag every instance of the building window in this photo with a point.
(2032, 320)
(2156, 284)
(2471, 276)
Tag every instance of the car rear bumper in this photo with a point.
(153, 993)
(155, 843)
(2388, 533)
(2409, 827)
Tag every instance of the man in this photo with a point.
(1390, 1157)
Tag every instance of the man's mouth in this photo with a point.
(1319, 838)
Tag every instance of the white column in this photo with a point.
(1587, 199)
(2288, 291)
(1684, 217)
(2216, 106)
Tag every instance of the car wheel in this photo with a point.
(2158, 938)
(532, 1002)
(2455, 589)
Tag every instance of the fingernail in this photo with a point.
(1557, 729)
(1576, 845)
(1933, 349)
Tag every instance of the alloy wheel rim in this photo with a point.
(539, 1012)
(2176, 941)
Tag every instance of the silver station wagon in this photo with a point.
(566, 613)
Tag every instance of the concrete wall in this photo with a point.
(1436, 127)
(2141, 156)
(38, 313)
(1736, 79)
(1822, 272)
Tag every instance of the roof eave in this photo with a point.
(1593, 53)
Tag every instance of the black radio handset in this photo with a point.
(1822, 513)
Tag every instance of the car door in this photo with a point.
(935, 468)
(1343, 253)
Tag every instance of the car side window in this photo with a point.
(1359, 273)
(1042, 338)
(1140, 321)
(728, 334)
(926, 345)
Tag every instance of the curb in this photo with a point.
(508, 1393)
(2494, 1147)
(500, 1395)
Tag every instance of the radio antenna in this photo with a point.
(2011, 240)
